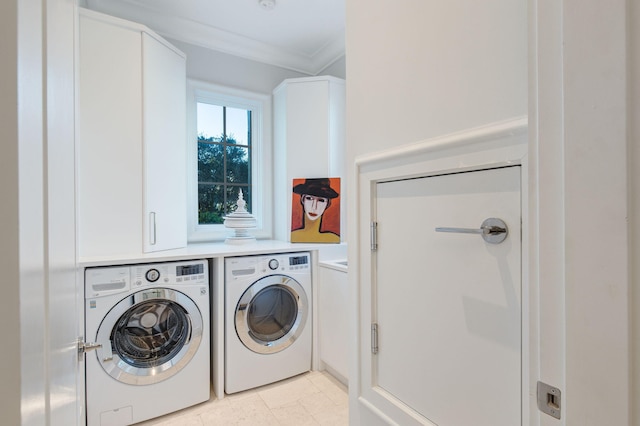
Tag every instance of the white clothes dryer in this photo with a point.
(268, 326)
(152, 325)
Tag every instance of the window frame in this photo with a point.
(261, 158)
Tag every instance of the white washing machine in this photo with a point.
(152, 324)
(268, 326)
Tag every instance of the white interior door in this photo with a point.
(447, 305)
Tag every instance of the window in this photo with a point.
(224, 160)
(229, 152)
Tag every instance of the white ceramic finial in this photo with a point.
(240, 220)
(241, 203)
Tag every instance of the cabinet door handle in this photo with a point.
(152, 228)
(492, 230)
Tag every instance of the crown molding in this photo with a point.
(201, 35)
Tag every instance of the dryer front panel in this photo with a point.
(271, 314)
(149, 336)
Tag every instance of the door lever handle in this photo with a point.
(492, 230)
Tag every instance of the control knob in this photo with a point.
(152, 275)
(273, 264)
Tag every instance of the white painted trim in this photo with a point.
(262, 154)
(546, 186)
(303, 80)
(217, 326)
(494, 145)
(491, 132)
(198, 34)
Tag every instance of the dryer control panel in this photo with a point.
(299, 262)
(238, 267)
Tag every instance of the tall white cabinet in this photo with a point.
(308, 140)
(132, 139)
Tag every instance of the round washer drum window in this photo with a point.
(151, 333)
(149, 336)
(271, 314)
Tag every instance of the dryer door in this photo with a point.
(149, 336)
(271, 314)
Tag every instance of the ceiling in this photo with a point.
(301, 35)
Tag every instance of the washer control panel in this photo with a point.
(172, 273)
(104, 281)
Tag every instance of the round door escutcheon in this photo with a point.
(494, 230)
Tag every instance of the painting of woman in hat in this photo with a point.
(315, 211)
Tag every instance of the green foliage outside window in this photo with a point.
(223, 170)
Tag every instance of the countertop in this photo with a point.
(200, 251)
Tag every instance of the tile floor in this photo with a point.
(310, 399)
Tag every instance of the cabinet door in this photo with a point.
(447, 305)
(109, 146)
(333, 295)
(164, 136)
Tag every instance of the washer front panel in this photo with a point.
(271, 314)
(149, 336)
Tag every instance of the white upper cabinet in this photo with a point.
(132, 139)
(164, 151)
(308, 139)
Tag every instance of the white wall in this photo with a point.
(580, 153)
(418, 69)
(595, 177)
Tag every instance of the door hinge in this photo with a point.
(374, 236)
(374, 338)
(549, 400)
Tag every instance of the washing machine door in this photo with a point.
(149, 336)
(271, 314)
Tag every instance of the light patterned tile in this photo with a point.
(317, 402)
(249, 400)
(311, 399)
(220, 413)
(253, 411)
(249, 410)
(294, 414)
(336, 417)
(288, 393)
(326, 381)
(338, 396)
(332, 388)
(189, 419)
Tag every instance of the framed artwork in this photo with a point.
(315, 210)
